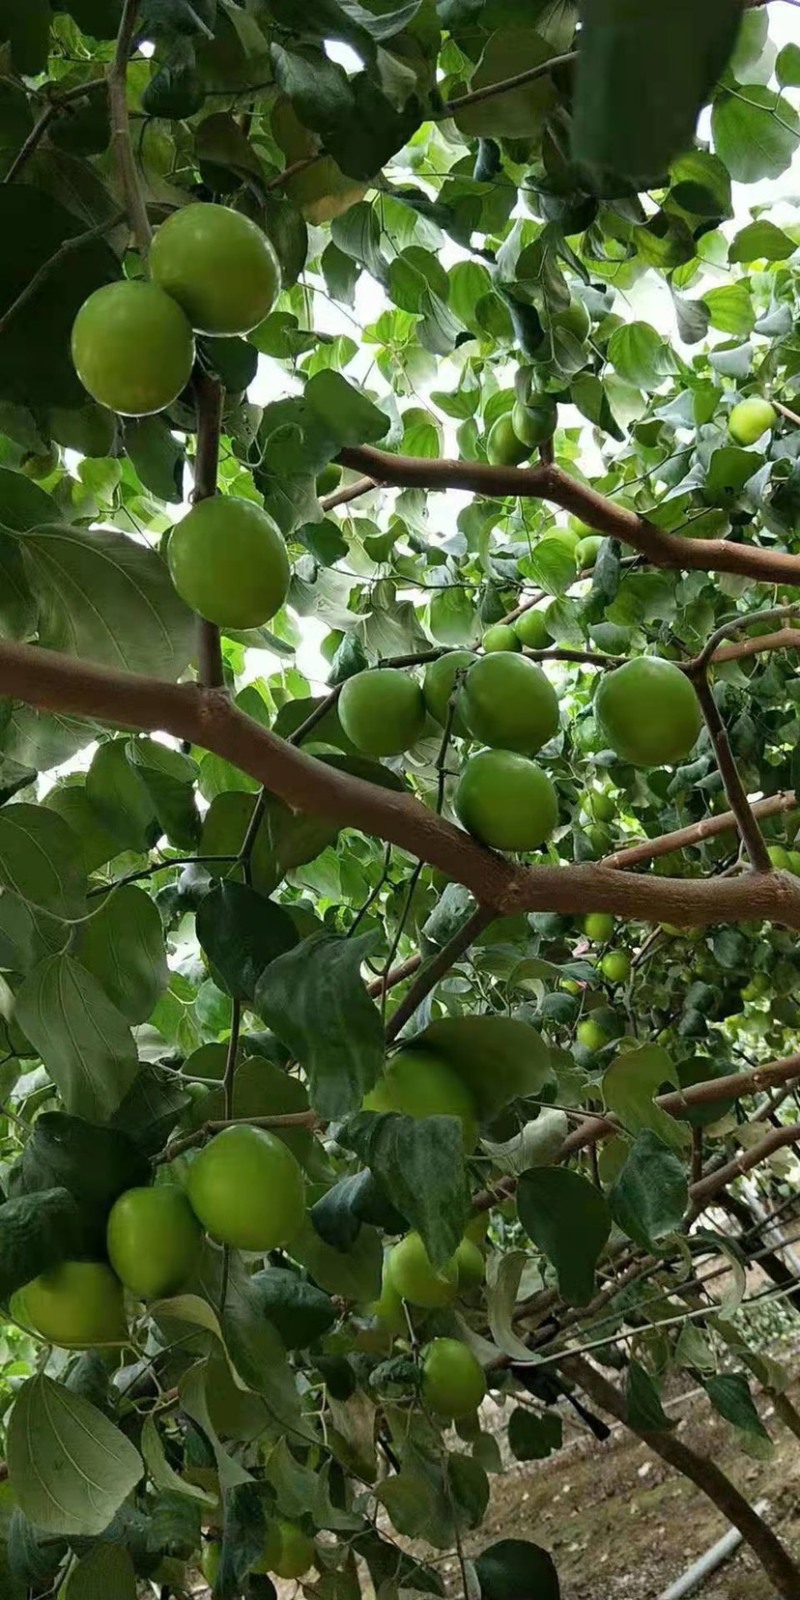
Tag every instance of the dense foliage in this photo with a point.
(319, 1119)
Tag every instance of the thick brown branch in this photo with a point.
(750, 833)
(776, 1139)
(549, 483)
(121, 143)
(695, 832)
(54, 682)
(782, 639)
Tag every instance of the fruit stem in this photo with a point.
(121, 143)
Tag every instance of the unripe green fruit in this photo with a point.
(506, 801)
(616, 966)
(599, 926)
(228, 562)
(418, 1083)
(649, 712)
(794, 861)
(218, 266)
(779, 857)
(288, 1552)
(532, 631)
(470, 1265)
(500, 637)
(154, 1240)
(510, 704)
(601, 805)
(410, 1273)
(535, 422)
(503, 447)
(750, 419)
(437, 687)
(77, 1305)
(328, 480)
(211, 1563)
(587, 550)
(453, 1384)
(247, 1189)
(591, 1035)
(41, 466)
(382, 711)
(133, 348)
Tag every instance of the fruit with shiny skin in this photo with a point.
(587, 550)
(42, 465)
(288, 1552)
(470, 1265)
(506, 801)
(601, 805)
(616, 966)
(500, 637)
(590, 1034)
(453, 1383)
(532, 631)
(535, 422)
(154, 1240)
(437, 687)
(78, 1305)
(750, 419)
(649, 712)
(509, 704)
(219, 267)
(247, 1189)
(228, 562)
(503, 446)
(418, 1083)
(410, 1273)
(779, 858)
(133, 348)
(599, 926)
(382, 711)
(328, 480)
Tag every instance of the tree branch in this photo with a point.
(40, 127)
(64, 250)
(476, 97)
(695, 832)
(550, 483)
(348, 492)
(121, 144)
(437, 968)
(210, 397)
(751, 834)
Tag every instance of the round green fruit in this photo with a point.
(247, 1189)
(750, 419)
(77, 1305)
(418, 1083)
(453, 1384)
(288, 1552)
(535, 422)
(133, 348)
(779, 858)
(616, 966)
(437, 687)
(506, 801)
(599, 926)
(532, 630)
(328, 480)
(591, 1035)
(503, 446)
(388, 1308)
(510, 704)
(228, 562)
(500, 637)
(41, 466)
(649, 712)
(153, 1240)
(574, 319)
(218, 266)
(587, 550)
(211, 1562)
(382, 711)
(470, 1265)
(794, 861)
(601, 805)
(411, 1275)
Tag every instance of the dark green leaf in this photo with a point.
(761, 240)
(419, 1163)
(122, 945)
(158, 457)
(645, 1412)
(301, 1312)
(515, 1569)
(569, 1220)
(532, 1437)
(56, 1438)
(40, 860)
(169, 778)
(729, 1393)
(650, 1196)
(756, 132)
(241, 932)
(347, 414)
(95, 1164)
(83, 1040)
(36, 1232)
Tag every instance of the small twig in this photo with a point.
(695, 833)
(349, 491)
(697, 1154)
(506, 85)
(791, 416)
(286, 1119)
(751, 834)
(228, 1082)
(436, 968)
(736, 625)
(292, 170)
(121, 143)
(40, 127)
(210, 397)
(64, 250)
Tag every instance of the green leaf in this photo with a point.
(627, 45)
(194, 1401)
(787, 66)
(532, 1437)
(36, 1232)
(107, 1570)
(591, 399)
(83, 1040)
(346, 412)
(27, 935)
(164, 1476)
(120, 798)
(40, 860)
(94, 1164)
(314, 998)
(169, 778)
(640, 355)
(649, 1198)
(498, 1058)
(630, 1083)
(504, 1271)
(18, 609)
(761, 240)
(419, 1163)
(157, 456)
(756, 132)
(107, 598)
(122, 945)
(516, 1569)
(69, 1467)
(730, 308)
(552, 564)
(301, 1312)
(518, 113)
(729, 1393)
(355, 1274)
(241, 932)
(569, 1220)
(643, 1405)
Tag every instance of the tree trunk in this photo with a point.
(776, 1561)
